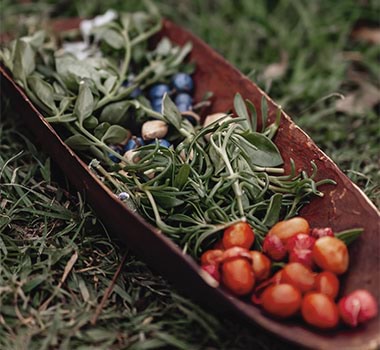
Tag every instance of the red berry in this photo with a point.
(289, 228)
(357, 307)
(327, 283)
(211, 257)
(238, 276)
(321, 232)
(319, 310)
(299, 276)
(213, 270)
(331, 254)
(300, 249)
(274, 248)
(238, 235)
(281, 300)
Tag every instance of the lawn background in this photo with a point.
(305, 54)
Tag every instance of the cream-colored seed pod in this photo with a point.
(154, 129)
(131, 156)
(213, 118)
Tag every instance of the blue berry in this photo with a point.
(183, 98)
(133, 143)
(182, 82)
(117, 149)
(162, 142)
(157, 105)
(183, 107)
(158, 91)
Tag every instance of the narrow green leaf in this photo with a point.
(182, 176)
(252, 110)
(241, 109)
(171, 112)
(167, 200)
(264, 112)
(273, 212)
(348, 236)
(33, 283)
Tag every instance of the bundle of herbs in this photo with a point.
(208, 178)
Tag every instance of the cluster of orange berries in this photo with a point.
(308, 282)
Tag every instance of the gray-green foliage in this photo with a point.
(196, 189)
(82, 94)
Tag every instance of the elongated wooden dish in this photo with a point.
(344, 206)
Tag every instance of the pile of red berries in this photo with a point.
(307, 284)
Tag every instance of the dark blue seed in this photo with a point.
(156, 105)
(183, 98)
(158, 91)
(183, 107)
(162, 142)
(117, 149)
(133, 143)
(182, 82)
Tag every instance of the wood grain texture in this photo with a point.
(343, 206)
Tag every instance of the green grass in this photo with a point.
(45, 227)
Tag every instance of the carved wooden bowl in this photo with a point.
(343, 206)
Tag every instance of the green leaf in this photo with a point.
(273, 212)
(164, 47)
(171, 112)
(252, 110)
(115, 134)
(109, 83)
(348, 236)
(115, 113)
(91, 123)
(241, 109)
(33, 283)
(167, 200)
(182, 176)
(101, 129)
(84, 104)
(24, 60)
(72, 71)
(78, 142)
(43, 91)
(113, 38)
(259, 150)
(36, 40)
